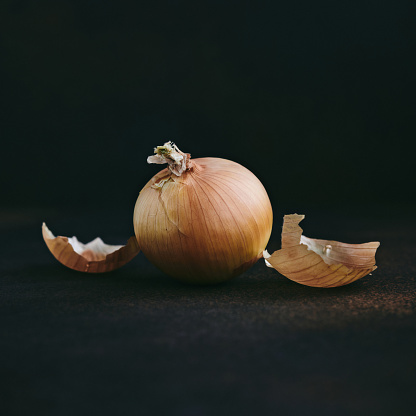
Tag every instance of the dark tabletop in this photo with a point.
(137, 342)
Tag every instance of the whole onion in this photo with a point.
(203, 220)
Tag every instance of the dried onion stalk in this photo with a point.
(93, 257)
(203, 220)
(320, 263)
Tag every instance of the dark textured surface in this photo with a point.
(137, 342)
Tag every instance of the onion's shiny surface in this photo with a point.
(206, 226)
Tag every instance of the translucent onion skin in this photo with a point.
(208, 225)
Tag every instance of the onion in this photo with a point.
(203, 220)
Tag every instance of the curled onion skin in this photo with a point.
(320, 263)
(205, 226)
(94, 257)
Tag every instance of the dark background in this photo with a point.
(316, 98)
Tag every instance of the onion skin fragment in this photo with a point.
(320, 263)
(91, 260)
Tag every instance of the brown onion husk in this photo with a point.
(203, 220)
(320, 263)
(93, 257)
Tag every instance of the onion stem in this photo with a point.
(178, 162)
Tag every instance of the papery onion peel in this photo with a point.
(94, 257)
(320, 263)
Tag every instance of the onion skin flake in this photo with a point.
(320, 263)
(93, 257)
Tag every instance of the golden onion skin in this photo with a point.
(208, 225)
